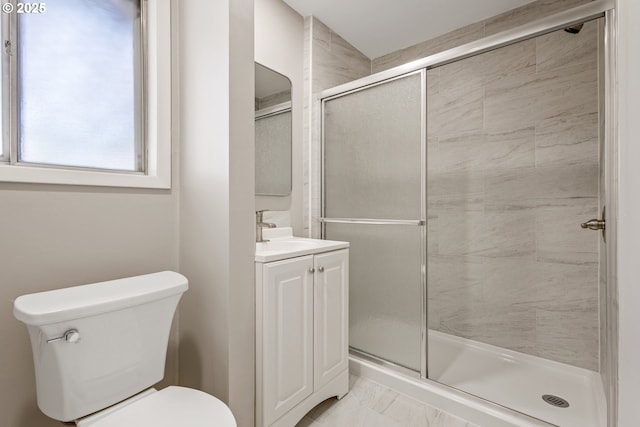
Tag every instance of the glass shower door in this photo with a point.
(373, 197)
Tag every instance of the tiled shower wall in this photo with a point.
(504, 21)
(513, 150)
(512, 176)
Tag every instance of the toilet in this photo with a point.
(98, 349)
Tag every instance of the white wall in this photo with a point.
(279, 38)
(629, 226)
(214, 78)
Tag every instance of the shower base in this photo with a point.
(510, 383)
(518, 381)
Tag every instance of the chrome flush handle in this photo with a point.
(71, 336)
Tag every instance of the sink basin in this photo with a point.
(282, 245)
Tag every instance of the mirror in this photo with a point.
(273, 133)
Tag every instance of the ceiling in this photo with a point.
(378, 27)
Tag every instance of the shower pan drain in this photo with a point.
(555, 401)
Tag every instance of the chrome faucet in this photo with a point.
(261, 224)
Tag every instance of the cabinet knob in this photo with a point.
(312, 270)
(320, 269)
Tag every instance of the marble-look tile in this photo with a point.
(487, 150)
(451, 194)
(315, 168)
(510, 280)
(454, 282)
(360, 63)
(495, 323)
(562, 49)
(433, 155)
(433, 80)
(567, 140)
(550, 7)
(454, 112)
(509, 234)
(455, 38)
(510, 149)
(432, 233)
(539, 187)
(568, 337)
(420, 50)
(462, 152)
(525, 100)
(461, 234)
(321, 35)
(334, 60)
(511, 19)
(603, 302)
(456, 203)
(395, 58)
(446, 184)
(359, 409)
(409, 412)
(508, 326)
(560, 238)
(480, 70)
(371, 394)
(347, 62)
(349, 412)
(565, 287)
(307, 141)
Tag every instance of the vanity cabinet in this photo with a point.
(301, 335)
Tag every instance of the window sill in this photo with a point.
(40, 175)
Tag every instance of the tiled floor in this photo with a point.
(369, 404)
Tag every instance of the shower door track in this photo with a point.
(595, 9)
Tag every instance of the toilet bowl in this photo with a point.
(98, 349)
(170, 407)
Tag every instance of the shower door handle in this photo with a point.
(594, 224)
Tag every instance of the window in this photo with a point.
(81, 99)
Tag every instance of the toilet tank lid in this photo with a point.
(87, 300)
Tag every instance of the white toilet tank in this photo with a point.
(96, 345)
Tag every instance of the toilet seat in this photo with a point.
(170, 407)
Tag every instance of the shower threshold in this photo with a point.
(494, 387)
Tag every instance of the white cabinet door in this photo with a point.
(287, 335)
(331, 316)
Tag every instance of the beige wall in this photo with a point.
(59, 236)
(279, 34)
(217, 242)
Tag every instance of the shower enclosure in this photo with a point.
(461, 182)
